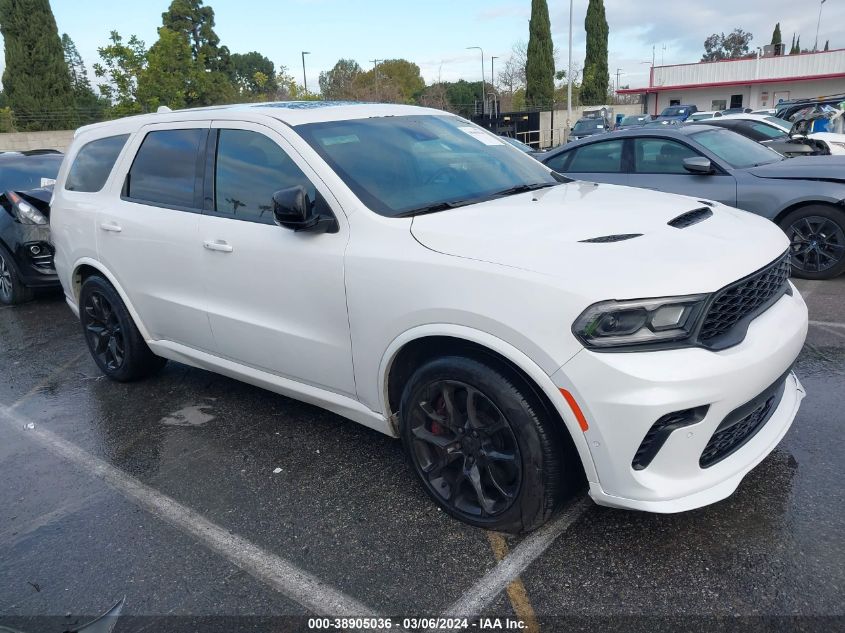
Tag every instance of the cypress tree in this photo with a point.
(776, 37)
(540, 63)
(792, 48)
(36, 80)
(798, 45)
(594, 85)
(827, 45)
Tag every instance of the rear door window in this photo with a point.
(603, 158)
(165, 170)
(93, 164)
(660, 156)
(250, 168)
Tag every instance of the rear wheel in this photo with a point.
(817, 241)
(113, 339)
(482, 446)
(12, 291)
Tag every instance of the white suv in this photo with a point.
(399, 266)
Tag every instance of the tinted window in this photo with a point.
(559, 162)
(660, 156)
(165, 169)
(598, 157)
(588, 125)
(766, 131)
(404, 164)
(736, 150)
(93, 164)
(250, 169)
(18, 172)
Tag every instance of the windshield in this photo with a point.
(781, 123)
(588, 125)
(18, 172)
(401, 165)
(674, 111)
(632, 120)
(701, 116)
(738, 151)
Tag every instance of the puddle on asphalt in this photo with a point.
(192, 415)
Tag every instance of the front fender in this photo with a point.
(504, 349)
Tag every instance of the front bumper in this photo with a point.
(622, 395)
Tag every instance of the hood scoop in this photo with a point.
(690, 217)
(604, 239)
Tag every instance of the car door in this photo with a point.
(147, 233)
(598, 162)
(276, 297)
(658, 163)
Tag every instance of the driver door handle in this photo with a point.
(111, 227)
(218, 245)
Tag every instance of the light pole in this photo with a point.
(618, 72)
(493, 85)
(818, 24)
(304, 77)
(375, 72)
(569, 79)
(483, 85)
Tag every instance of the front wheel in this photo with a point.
(12, 290)
(817, 241)
(482, 445)
(113, 339)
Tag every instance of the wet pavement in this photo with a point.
(336, 501)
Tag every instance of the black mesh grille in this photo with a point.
(743, 424)
(690, 217)
(744, 298)
(611, 238)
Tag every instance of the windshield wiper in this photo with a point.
(434, 208)
(523, 189)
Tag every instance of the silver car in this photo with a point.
(805, 196)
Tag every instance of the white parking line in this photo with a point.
(827, 324)
(283, 576)
(485, 592)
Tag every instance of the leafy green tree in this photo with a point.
(122, 65)
(540, 62)
(255, 76)
(734, 45)
(338, 83)
(196, 21)
(827, 45)
(88, 106)
(776, 36)
(596, 77)
(36, 80)
(798, 45)
(171, 75)
(398, 81)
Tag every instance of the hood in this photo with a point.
(829, 168)
(543, 232)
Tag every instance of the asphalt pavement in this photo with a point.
(210, 504)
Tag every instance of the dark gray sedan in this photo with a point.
(805, 196)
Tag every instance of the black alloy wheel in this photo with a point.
(484, 446)
(12, 290)
(113, 339)
(5, 281)
(466, 449)
(104, 332)
(817, 242)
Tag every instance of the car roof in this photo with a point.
(292, 113)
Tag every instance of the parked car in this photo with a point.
(522, 146)
(588, 126)
(787, 109)
(26, 255)
(677, 113)
(633, 120)
(766, 112)
(519, 331)
(701, 116)
(773, 133)
(801, 195)
(739, 110)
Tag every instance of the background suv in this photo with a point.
(522, 333)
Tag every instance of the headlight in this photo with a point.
(666, 322)
(25, 212)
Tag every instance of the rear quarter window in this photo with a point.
(165, 169)
(93, 164)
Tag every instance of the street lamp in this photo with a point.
(304, 77)
(818, 24)
(493, 85)
(483, 85)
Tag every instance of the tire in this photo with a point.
(510, 447)
(12, 290)
(114, 341)
(817, 241)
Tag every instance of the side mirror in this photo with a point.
(699, 165)
(293, 209)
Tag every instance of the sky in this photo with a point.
(435, 33)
